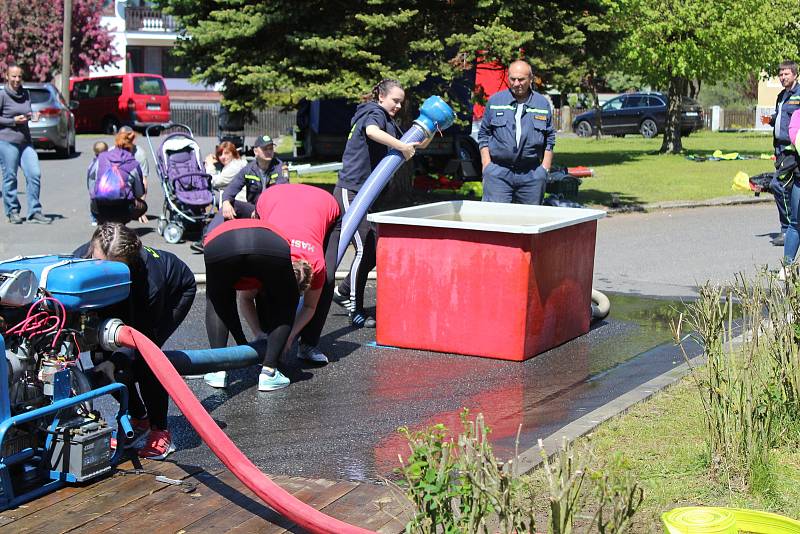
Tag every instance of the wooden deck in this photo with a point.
(133, 501)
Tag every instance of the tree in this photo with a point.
(672, 42)
(280, 51)
(31, 36)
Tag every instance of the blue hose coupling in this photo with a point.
(435, 114)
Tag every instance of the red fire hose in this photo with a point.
(276, 497)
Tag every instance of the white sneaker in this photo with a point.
(216, 380)
(782, 274)
(310, 353)
(271, 383)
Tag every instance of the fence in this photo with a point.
(204, 120)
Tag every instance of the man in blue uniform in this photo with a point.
(262, 172)
(788, 102)
(516, 140)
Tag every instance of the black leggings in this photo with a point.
(364, 241)
(254, 253)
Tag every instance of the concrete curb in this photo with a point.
(532, 457)
(710, 203)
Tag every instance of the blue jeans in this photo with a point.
(12, 157)
(792, 242)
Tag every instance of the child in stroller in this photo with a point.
(187, 188)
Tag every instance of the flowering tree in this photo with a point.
(31, 35)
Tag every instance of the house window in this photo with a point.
(154, 60)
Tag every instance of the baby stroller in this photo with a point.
(187, 187)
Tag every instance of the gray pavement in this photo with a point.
(659, 253)
(339, 421)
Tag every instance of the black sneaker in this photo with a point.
(779, 240)
(197, 246)
(360, 319)
(14, 218)
(343, 300)
(39, 218)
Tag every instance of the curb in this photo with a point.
(531, 458)
(710, 203)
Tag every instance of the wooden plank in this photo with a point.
(363, 507)
(243, 505)
(327, 490)
(182, 510)
(119, 490)
(136, 509)
(50, 499)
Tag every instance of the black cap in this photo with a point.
(263, 140)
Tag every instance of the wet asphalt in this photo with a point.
(341, 420)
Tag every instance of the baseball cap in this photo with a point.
(263, 140)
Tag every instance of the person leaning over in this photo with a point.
(516, 140)
(786, 104)
(255, 178)
(16, 149)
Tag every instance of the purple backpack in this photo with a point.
(114, 176)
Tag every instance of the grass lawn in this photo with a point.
(631, 169)
(663, 440)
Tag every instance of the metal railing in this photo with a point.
(148, 20)
(204, 120)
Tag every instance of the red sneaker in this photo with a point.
(159, 445)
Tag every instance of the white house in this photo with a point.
(143, 36)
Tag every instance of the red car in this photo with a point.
(108, 102)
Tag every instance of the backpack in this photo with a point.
(112, 178)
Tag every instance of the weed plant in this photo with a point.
(458, 486)
(750, 394)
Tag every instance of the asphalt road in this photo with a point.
(660, 253)
(339, 421)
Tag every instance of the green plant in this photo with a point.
(565, 475)
(750, 395)
(461, 486)
(618, 496)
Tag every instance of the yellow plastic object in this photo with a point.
(696, 520)
(725, 156)
(701, 520)
(741, 182)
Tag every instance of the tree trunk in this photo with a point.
(598, 117)
(672, 129)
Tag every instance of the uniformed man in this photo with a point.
(262, 172)
(516, 140)
(787, 103)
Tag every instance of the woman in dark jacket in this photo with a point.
(373, 132)
(162, 293)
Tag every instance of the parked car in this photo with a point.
(643, 113)
(108, 102)
(55, 129)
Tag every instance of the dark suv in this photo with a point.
(643, 113)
